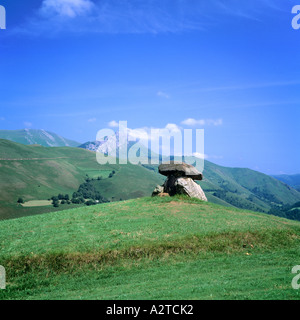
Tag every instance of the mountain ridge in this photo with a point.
(37, 137)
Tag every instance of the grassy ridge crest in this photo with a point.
(150, 248)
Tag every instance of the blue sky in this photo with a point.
(231, 67)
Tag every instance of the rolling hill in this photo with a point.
(41, 137)
(150, 248)
(38, 173)
(292, 180)
(245, 188)
(240, 187)
(237, 187)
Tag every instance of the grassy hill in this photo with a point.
(292, 180)
(150, 248)
(247, 188)
(239, 187)
(34, 136)
(244, 188)
(37, 173)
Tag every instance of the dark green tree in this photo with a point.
(20, 200)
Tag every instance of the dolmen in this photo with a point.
(180, 180)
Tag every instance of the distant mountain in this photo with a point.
(41, 137)
(245, 188)
(90, 145)
(106, 146)
(238, 187)
(292, 180)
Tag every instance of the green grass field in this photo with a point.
(150, 248)
(37, 203)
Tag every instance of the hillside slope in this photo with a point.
(150, 248)
(38, 173)
(34, 136)
(247, 188)
(244, 188)
(239, 187)
(292, 180)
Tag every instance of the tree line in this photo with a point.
(87, 194)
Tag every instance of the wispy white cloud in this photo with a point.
(202, 122)
(196, 87)
(110, 16)
(207, 156)
(91, 120)
(144, 133)
(66, 8)
(27, 124)
(200, 155)
(252, 10)
(173, 128)
(251, 86)
(113, 124)
(163, 94)
(136, 16)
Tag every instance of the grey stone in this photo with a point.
(179, 169)
(158, 190)
(180, 180)
(190, 188)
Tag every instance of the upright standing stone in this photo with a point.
(190, 188)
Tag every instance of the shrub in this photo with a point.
(90, 203)
(75, 200)
(20, 200)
